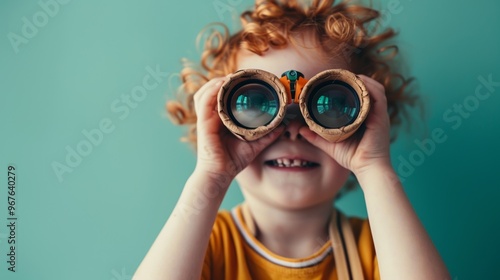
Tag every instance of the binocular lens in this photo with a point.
(334, 104)
(253, 104)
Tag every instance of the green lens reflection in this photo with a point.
(253, 104)
(334, 104)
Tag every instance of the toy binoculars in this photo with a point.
(252, 102)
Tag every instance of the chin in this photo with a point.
(300, 204)
(290, 198)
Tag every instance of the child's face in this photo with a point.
(292, 187)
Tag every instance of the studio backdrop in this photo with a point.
(91, 166)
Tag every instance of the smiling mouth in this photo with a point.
(289, 163)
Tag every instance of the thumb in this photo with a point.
(318, 141)
(261, 143)
(250, 150)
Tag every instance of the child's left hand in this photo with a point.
(372, 149)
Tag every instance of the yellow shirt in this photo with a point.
(234, 253)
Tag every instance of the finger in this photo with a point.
(376, 90)
(315, 139)
(248, 151)
(210, 84)
(261, 143)
(378, 110)
(205, 98)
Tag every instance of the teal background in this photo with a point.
(99, 222)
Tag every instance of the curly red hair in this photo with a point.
(344, 30)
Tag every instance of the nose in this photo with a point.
(293, 121)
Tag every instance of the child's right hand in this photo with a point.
(220, 154)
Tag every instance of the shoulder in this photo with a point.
(225, 244)
(224, 222)
(224, 231)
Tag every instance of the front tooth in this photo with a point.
(279, 161)
(286, 162)
(297, 162)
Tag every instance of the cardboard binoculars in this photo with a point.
(252, 102)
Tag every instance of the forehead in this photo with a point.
(303, 57)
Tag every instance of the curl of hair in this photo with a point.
(343, 29)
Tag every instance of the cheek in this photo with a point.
(337, 173)
(250, 175)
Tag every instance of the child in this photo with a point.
(287, 227)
